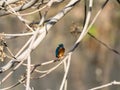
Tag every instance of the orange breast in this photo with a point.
(61, 52)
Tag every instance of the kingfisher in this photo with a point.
(60, 50)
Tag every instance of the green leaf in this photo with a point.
(93, 31)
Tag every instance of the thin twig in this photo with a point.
(106, 85)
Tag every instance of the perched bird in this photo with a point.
(60, 50)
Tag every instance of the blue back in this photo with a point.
(58, 49)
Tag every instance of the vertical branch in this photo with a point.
(28, 72)
(66, 72)
(85, 12)
(65, 67)
(29, 61)
(85, 30)
(98, 13)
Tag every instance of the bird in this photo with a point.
(60, 50)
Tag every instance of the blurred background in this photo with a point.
(92, 64)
